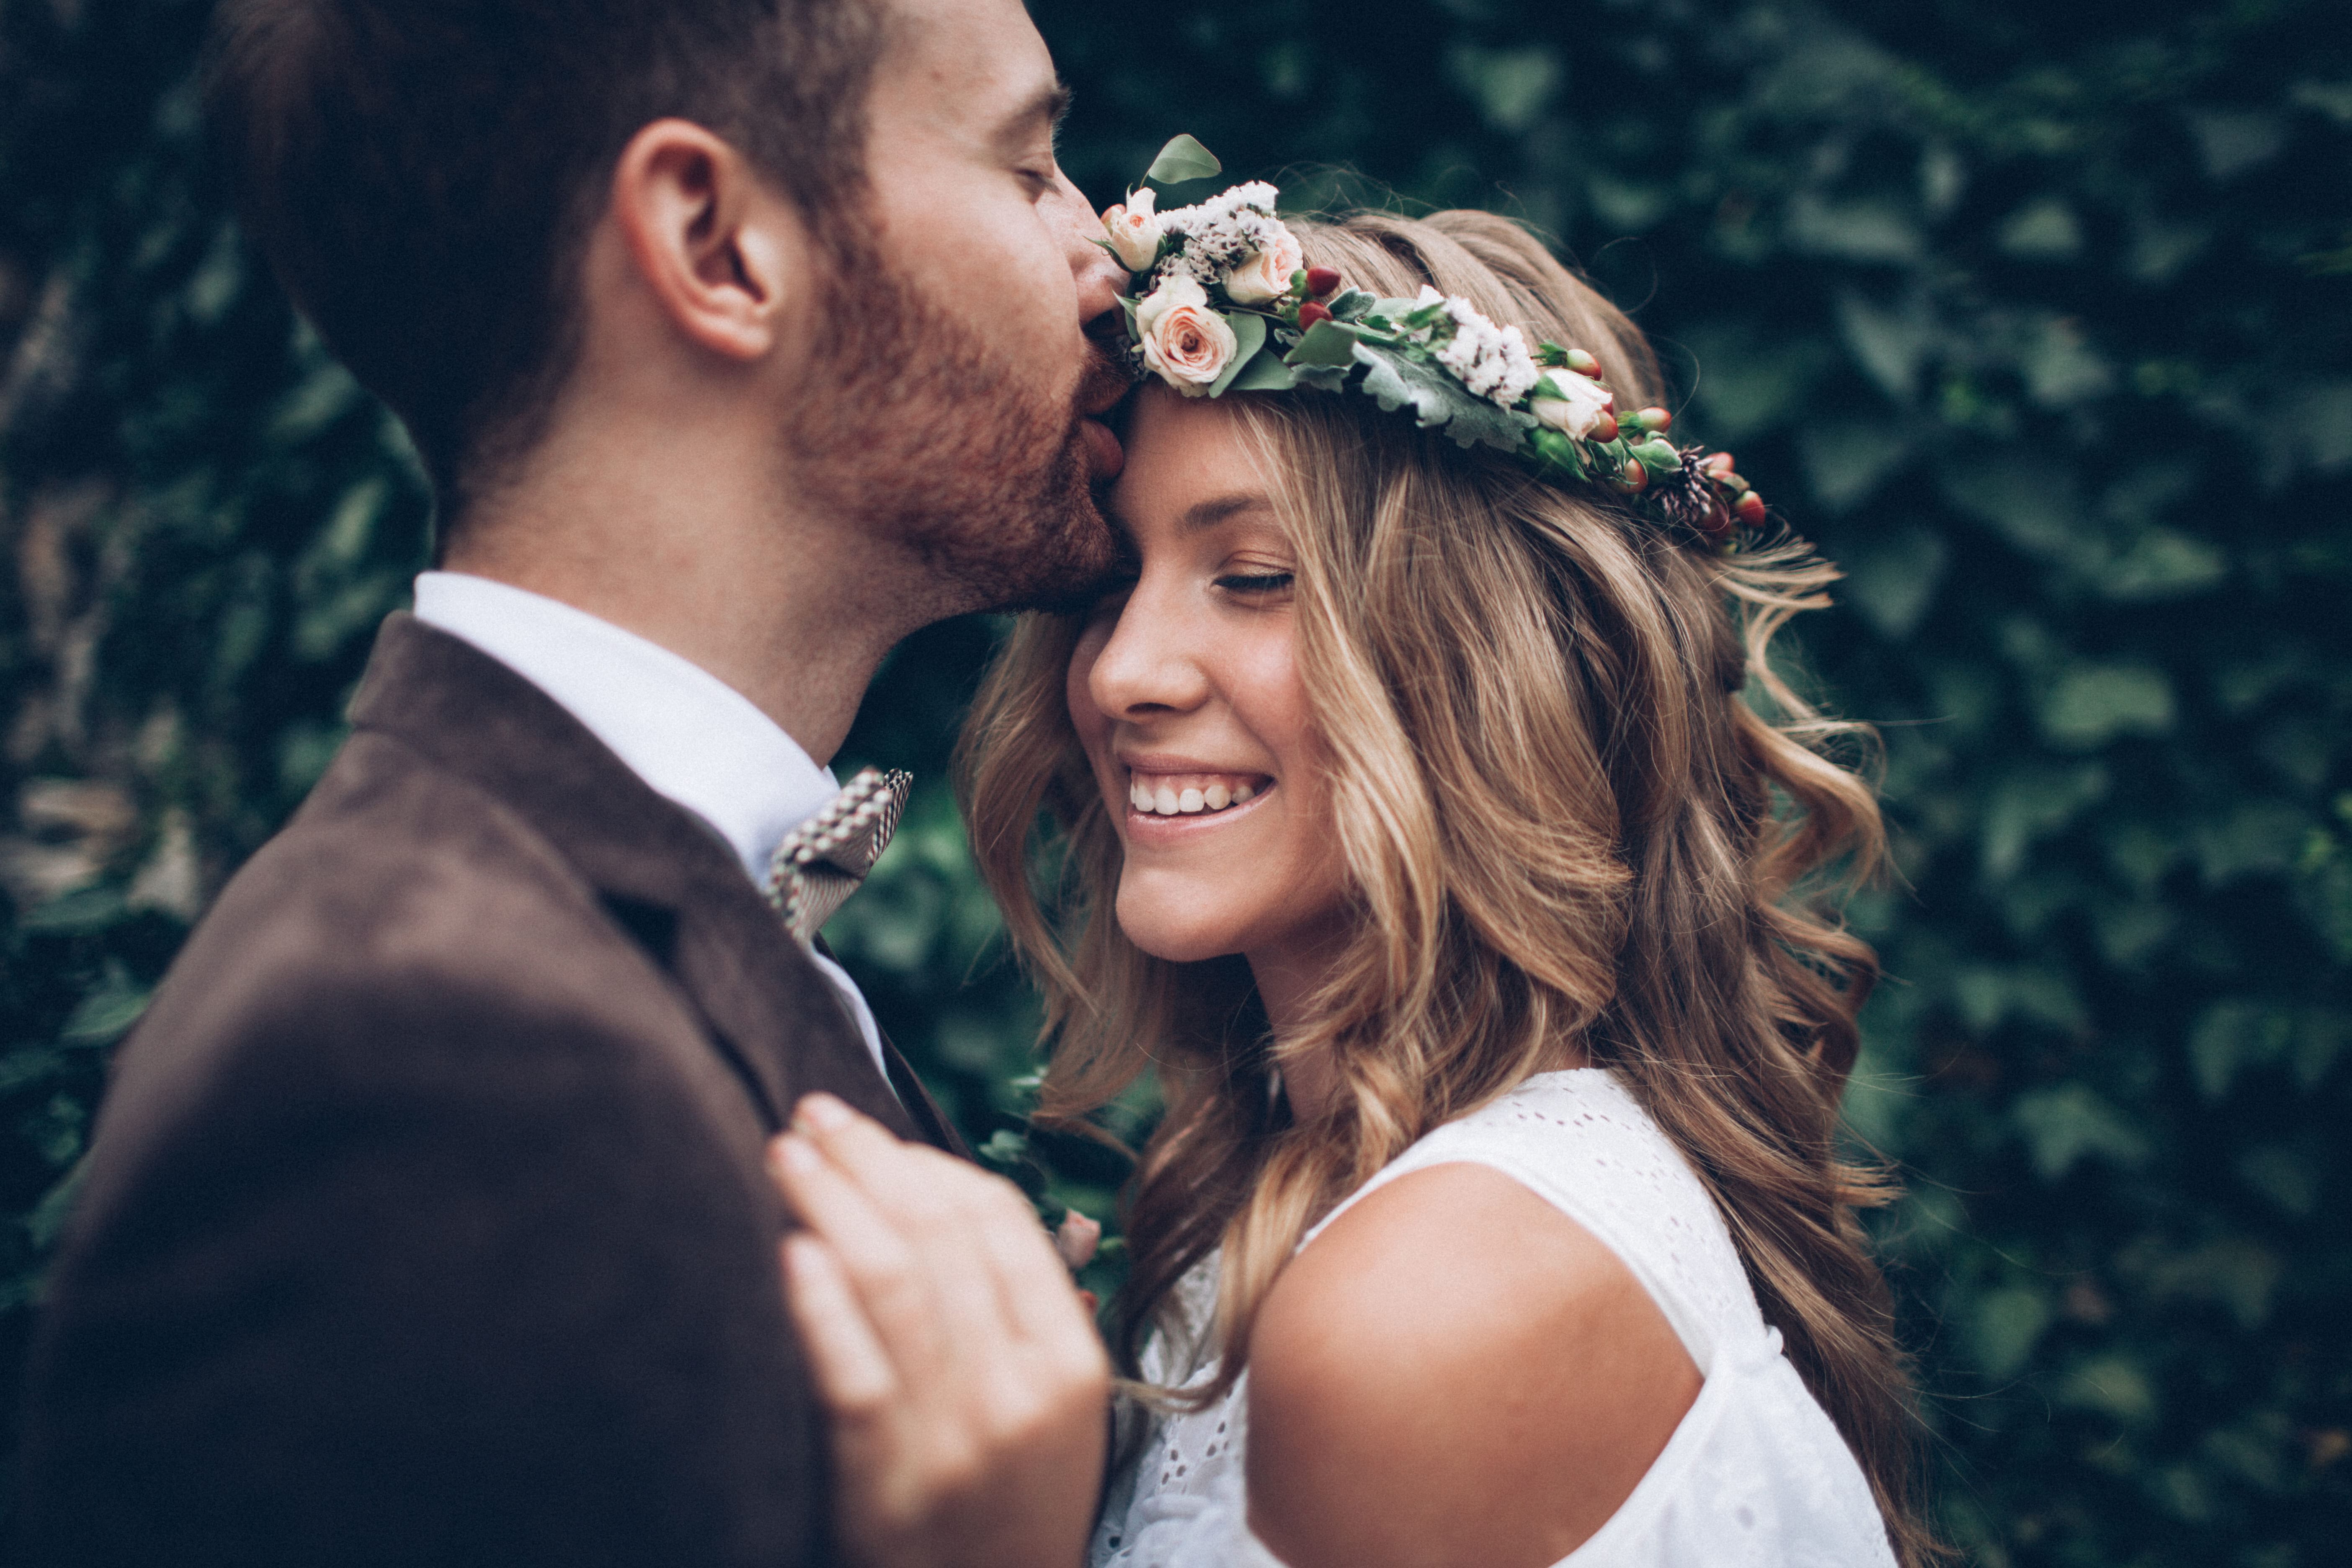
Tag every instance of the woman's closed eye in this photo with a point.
(1255, 584)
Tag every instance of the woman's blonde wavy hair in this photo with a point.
(1563, 825)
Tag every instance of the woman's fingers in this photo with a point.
(915, 1183)
(888, 1275)
(993, 1274)
(853, 1372)
(920, 1235)
(942, 1331)
(1033, 1284)
(969, 1227)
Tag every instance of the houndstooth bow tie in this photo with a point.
(820, 863)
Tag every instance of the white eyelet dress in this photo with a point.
(1755, 1476)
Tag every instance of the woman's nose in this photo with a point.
(1149, 665)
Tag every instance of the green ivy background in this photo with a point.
(2036, 315)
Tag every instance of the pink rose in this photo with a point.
(1133, 230)
(1076, 1239)
(1185, 343)
(1265, 273)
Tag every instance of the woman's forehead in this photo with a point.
(1191, 466)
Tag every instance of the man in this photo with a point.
(426, 1221)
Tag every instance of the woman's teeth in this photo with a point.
(1188, 795)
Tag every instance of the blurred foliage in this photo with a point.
(2035, 315)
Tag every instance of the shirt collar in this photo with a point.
(694, 738)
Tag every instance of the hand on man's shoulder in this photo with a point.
(421, 1196)
(1454, 1372)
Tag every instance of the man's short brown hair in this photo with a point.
(422, 173)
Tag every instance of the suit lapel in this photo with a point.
(933, 1123)
(922, 1107)
(658, 871)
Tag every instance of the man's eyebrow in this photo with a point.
(1046, 106)
(1217, 509)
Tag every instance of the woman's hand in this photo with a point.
(967, 1384)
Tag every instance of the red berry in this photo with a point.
(1635, 480)
(1322, 280)
(1718, 522)
(1654, 419)
(1718, 465)
(1749, 509)
(1604, 428)
(1310, 312)
(1583, 364)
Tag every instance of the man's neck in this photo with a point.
(787, 610)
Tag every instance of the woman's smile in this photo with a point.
(1160, 788)
(1184, 691)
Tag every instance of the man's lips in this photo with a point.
(1104, 383)
(1104, 454)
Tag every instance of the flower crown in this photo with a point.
(1226, 303)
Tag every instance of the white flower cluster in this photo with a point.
(1493, 361)
(1224, 233)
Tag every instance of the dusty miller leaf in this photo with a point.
(1439, 401)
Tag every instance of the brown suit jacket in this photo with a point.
(426, 1221)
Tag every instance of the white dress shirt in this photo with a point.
(691, 737)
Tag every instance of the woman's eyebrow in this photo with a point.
(1217, 509)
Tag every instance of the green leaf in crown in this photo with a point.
(1182, 160)
(1220, 299)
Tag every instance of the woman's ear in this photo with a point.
(719, 249)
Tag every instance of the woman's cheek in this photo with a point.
(1271, 695)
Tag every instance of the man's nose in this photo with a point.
(1100, 275)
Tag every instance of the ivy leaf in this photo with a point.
(1438, 401)
(107, 1014)
(1265, 373)
(1327, 343)
(1182, 159)
(1005, 1149)
(81, 912)
(1249, 336)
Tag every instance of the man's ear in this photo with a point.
(717, 248)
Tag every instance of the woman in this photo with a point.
(1418, 829)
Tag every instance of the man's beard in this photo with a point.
(925, 435)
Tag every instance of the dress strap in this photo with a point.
(1581, 1141)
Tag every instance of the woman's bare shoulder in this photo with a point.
(1454, 1372)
